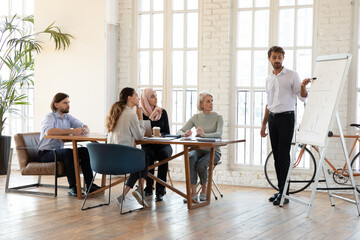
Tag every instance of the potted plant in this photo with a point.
(17, 49)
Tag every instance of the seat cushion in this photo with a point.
(42, 168)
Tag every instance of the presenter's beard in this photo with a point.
(277, 65)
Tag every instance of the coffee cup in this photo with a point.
(156, 131)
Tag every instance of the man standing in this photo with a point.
(60, 122)
(282, 88)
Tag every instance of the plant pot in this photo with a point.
(5, 143)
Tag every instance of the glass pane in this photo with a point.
(262, 3)
(303, 63)
(29, 7)
(286, 27)
(16, 7)
(192, 30)
(191, 104)
(158, 34)
(259, 107)
(244, 29)
(289, 59)
(177, 106)
(178, 30)
(144, 5)
(257, 146)
(243, 150)
(191, 67)
(177, 68)
(4, 8)
(144, 68)
(358, 107)
(245, 3)
(358, 73)
(157, 67)
(261, 38)
(286, 3)
(192, 4)
(178, 4)
(243, 68)
(158, 5)
(144, 30)
(243, 107)
(305, 2)
(304, 27)
(260, 68)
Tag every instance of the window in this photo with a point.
(167, 52)
(255, 33)
(24, 120)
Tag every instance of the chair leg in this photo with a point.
(170, 178)
(87, 194)
(8, 171)
(122, 200)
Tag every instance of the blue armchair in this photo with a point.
(114, 159)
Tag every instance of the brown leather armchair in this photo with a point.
(27, 151)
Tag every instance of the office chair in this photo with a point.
(114, 159)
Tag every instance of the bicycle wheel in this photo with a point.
(303, 172)
(355, 166)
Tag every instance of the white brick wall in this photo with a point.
(334, 36)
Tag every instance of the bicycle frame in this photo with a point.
(342, 173)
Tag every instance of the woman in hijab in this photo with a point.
(155, 152)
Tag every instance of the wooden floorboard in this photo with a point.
(243, 213)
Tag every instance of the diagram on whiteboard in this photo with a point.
(323, 100)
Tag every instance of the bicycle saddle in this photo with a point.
(355, 125)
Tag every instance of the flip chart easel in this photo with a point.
(319, 116)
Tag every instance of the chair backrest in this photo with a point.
(115, 159)
(26, 147)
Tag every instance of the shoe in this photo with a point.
(140, 198)
(278, 200)
(148, 191)
(272, 198)
(119, 200)
(93, 188)
(72, 192)
(202, 197)
(159, 197)
(195, 198)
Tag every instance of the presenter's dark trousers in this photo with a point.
(281, 130)
(157, 152)
(66, 155)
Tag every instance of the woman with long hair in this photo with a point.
(155, 152)
(208, 124)
(124, 126)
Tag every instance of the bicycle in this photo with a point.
(304, 167)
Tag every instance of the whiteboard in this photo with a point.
(324, 98)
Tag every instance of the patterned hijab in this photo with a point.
(147, 108)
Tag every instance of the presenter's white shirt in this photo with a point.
(282, 90)
(127, 129)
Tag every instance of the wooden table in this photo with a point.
(189, 145)
(96, 137)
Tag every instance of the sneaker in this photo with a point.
(140, 198)
(202, 197)
(195, 198)
(118, 200)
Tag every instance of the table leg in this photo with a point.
(76, 168)
(187, 176)
(211, 164)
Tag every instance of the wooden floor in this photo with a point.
(243, 213)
